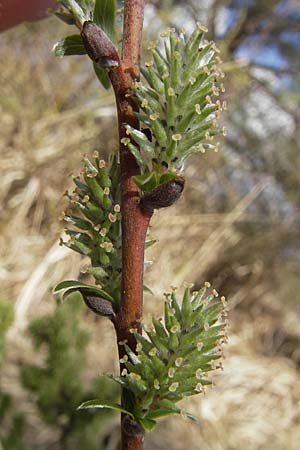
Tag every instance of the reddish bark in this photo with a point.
(135, 221)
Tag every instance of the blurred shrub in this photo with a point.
(57, 385)
(12, 426)
(6, 318)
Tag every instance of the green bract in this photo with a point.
(173, 359)
(176, 102)
(94, 225)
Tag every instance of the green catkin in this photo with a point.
(175, 102)
(99, 206)
(172, 360)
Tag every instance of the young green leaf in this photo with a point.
(70, 45)
(105, 16)
(69, 286)
(98, 404)
(147, 424)
(102, 76)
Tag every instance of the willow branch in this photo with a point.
(134, 221)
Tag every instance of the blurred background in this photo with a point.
(237, 226)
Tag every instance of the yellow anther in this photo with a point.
(135, 376)
(103, 232)
(156, 384)
(112, 218)
(178, 362)
(198, 108)
(171, 372)
(152, 45)
(173, 387)
(199, 387)
(202, 27)
(177, 137)
(125, 141)
(175, 328)
(199, 346)
(153, 351)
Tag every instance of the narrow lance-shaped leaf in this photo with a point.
(98, 404)
(70, 45)
(105, 16)
(102, 76)
(72, 285)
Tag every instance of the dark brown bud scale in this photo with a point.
(98, 46)
(163, 195)
(132, 428)
(98, 305)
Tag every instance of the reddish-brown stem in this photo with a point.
(132, 33)
(135, 221)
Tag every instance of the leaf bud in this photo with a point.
(163, 195)
(131, 428)
(98, 305)
(98, 46)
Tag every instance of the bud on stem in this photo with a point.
(98, 46)
(98, 305)
(163, 195)
(132, 428)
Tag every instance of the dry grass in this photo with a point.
(52, 112)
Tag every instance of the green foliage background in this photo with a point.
(56, 385)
